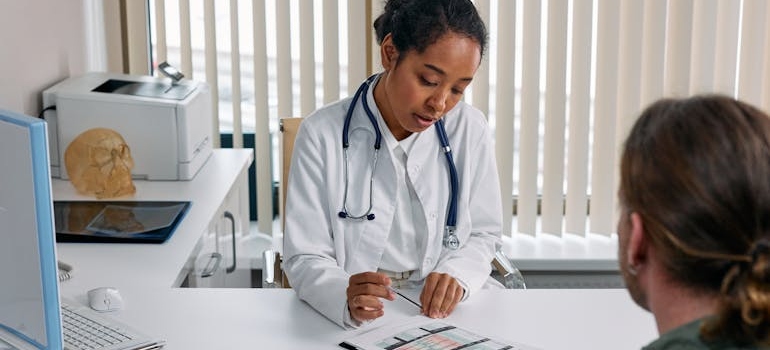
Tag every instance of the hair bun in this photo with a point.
(761, 247)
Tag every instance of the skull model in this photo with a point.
(99, 163)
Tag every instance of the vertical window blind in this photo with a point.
(562, 84)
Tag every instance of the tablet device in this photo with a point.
(117, 221)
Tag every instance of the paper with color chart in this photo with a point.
(423, 333)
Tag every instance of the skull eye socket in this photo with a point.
(124, 151)
(99, 156)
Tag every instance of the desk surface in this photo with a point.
(592, 319)
(219, 318)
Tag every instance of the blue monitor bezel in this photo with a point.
(38, 136)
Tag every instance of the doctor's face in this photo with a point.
(417, 89)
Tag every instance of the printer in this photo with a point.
(166, 124)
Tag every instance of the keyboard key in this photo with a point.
(82, 332)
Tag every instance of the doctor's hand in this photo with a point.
(440, 295)
(364, 292)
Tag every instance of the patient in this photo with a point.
(694, 231)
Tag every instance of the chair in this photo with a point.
(275, 277)
(504, 270)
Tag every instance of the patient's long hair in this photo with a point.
(697, 171)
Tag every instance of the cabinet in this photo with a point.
(216, 264)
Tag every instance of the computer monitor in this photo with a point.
(29, 296)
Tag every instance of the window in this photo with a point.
(562, 83)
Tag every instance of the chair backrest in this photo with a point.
(275, 277)
(288, 127)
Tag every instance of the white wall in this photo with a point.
(41, 43)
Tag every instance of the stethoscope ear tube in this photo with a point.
(345, 214)
(349, 116)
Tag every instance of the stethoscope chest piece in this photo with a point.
(451, 241)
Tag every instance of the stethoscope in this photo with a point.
(450, 239)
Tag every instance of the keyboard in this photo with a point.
(85, 330)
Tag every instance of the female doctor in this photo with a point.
(397, 186)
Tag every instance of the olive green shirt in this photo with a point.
(687, 337)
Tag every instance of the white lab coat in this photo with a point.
(321, 250)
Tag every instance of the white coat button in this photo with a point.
(429, 261)
(432, 216)
(415, 169)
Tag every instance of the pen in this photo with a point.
(404, 296)
(152, 346)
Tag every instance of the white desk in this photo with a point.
(221, 318)
(591, 319)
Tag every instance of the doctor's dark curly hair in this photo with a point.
(417, 24)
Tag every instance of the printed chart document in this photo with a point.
(420, 332)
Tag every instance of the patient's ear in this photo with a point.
(638, 242)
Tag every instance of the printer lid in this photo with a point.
(171, 91)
